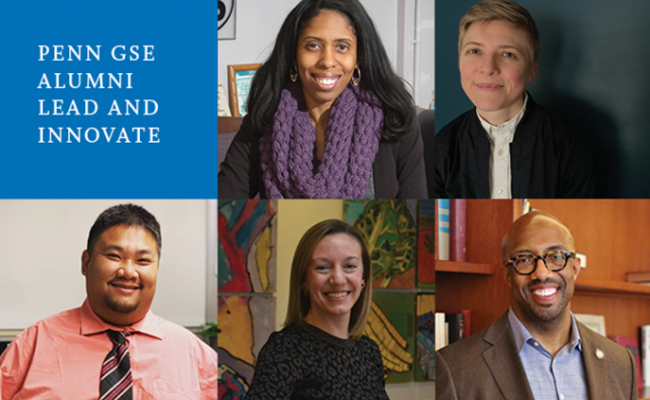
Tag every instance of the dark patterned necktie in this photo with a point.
(116, 381)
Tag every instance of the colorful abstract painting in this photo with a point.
(388, 226)
(427, 244)
(425, 355)
(245, 324)
(391, 325)
(246, 251)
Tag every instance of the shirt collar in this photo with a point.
(91, 324)
(509, 126)
(522, 335)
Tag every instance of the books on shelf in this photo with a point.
(452, 230)
(457, 229)
(452, 326)
(631, 344)
(645, 355)
(441, 331)
(467, 324)
(443, 229)
(455, 327)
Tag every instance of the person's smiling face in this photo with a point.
(121, 272)
(542, 297)
(326, 58)
(334, 278)
(495, 67)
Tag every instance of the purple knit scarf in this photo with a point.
(351, 143)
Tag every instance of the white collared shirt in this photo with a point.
(500, 138)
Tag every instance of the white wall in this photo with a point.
(41, 242)
(258, 22)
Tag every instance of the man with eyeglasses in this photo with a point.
(537, 350)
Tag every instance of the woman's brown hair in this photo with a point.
(299, 303)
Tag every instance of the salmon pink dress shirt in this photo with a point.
(60, 357)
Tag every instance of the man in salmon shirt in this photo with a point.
(112, 347)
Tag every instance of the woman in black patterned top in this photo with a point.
(321, 353)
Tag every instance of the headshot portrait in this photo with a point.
(330, 113)
(112, 345)
(317, 299)
(579, 79)
(329, 303)
(508, 146)
(552, 315)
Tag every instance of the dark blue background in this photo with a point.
(593, 69)
(182, 79)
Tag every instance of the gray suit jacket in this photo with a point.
(486, 366)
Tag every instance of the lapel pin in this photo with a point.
(599, 354)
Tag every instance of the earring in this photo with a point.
(293, 73)
(363, 284)
(356, 76)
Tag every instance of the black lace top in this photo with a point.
(304, 362)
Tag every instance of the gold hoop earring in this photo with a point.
(356, 76)
(293, 73)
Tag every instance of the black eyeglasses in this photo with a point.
(556, 260)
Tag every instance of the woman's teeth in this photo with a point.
(326, 81)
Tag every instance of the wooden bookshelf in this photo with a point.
(612, 233)
(464, 267)
(479, 284)
(588, 285)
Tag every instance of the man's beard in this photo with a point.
(120, 307)
(548, 314)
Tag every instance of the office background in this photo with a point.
(591, 71)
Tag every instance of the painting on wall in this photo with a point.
(388, 226)
(391, 325)
(425, 355)
(247, 250)
(426, 244)
(245, 324)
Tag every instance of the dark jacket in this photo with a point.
(549, 158)
(398, 169)
(487, 366)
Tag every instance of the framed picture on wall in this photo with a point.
(227, 19)
(239, 84)
(594, 322)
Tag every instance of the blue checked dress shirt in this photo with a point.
(551, 378)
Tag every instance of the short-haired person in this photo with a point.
(537, 349)
(321, 353)
(113, 346)
(508, 146)
(327, 116)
